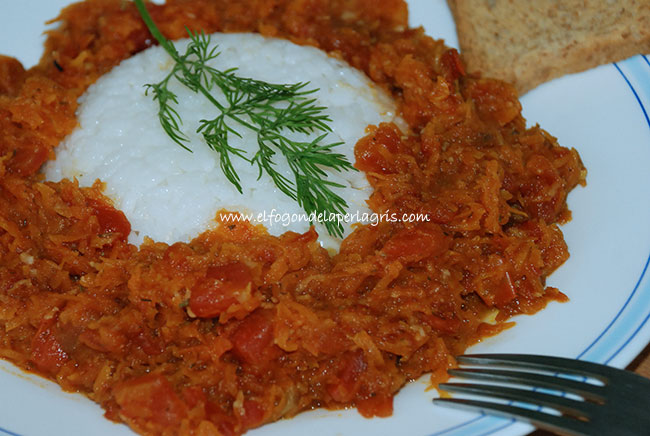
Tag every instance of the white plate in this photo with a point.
(603, 113)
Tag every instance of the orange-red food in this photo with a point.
(238, 328)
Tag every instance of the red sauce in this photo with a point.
(110, 219)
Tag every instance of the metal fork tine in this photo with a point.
(543, 420)
(547, 363)
(617, 407)
(586, 390)
(561, 404)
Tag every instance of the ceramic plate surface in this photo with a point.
(603, 113)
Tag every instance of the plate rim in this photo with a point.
(621, 354)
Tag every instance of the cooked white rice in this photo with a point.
(170, 194)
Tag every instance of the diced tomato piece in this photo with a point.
(452, 66)
(253, 414)
(218, 290)
(253, 340)
(533, 230)
(346, 384)
(505, 292)
(152, 399)
(376, 151)
(176, 256)
(47, 353)
(148, 343)
(541, 167)
(495, 101)
(412, 245)
(110, 219)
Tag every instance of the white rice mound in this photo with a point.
(170, 194)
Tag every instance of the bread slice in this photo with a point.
(527, 42)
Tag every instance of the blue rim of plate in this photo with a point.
(630, 318)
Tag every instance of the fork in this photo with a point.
(595, 400)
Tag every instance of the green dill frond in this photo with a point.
(266, 108)
(170, 120)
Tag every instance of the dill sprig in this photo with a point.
(265, 108)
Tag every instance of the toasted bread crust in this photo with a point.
(530, 42)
